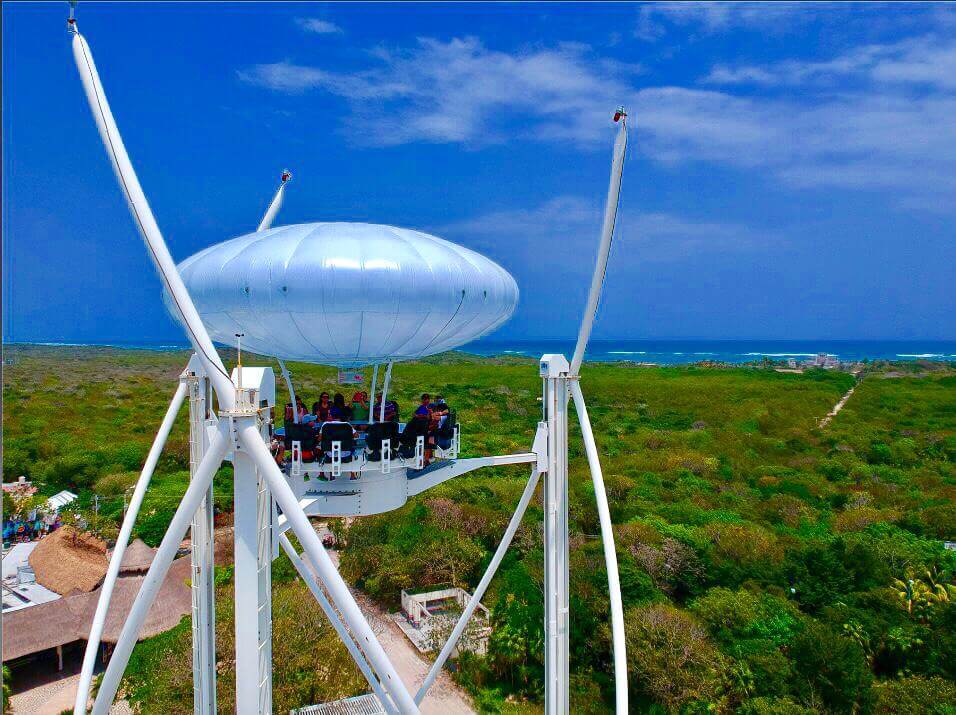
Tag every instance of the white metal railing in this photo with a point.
(331, 463)
(386, 456)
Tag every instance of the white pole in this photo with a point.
(162, 560)
(251, 695)
(273, 209)
(306, 575)
(481, 587)
(112, 572)
(604, 249)
(146, 223)
(202, 556)
(288, 381)
(388, 379)
(554, 369)
(251, 440)
(610, 554)
(371, 411)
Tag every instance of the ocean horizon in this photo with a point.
(662, 352)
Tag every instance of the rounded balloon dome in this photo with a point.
(347, 294)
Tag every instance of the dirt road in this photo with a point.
(444, 697)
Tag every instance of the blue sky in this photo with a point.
(792, 174)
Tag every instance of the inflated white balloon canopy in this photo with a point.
(347, 294)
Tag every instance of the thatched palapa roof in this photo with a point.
(67, 561)
(137, 558)
(68, 619)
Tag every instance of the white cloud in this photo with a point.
(319, 27)
(714, 17)
(877, 117)
(921, 62)
(565, 231)
(460, 91)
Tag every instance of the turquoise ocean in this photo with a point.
(676, 352)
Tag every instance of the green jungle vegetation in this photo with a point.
(767, 565)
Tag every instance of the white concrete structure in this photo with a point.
(425, 616)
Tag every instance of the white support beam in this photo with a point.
(456, 467)
(202, 563)
(122, 540)
(610, 554)
(482, 586)
(339, 593)
(287, 376)
(388, 379)
(371, 396)
(306, 574)
(195, 493)
(253, 635)
(554, 370)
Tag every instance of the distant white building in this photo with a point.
(60, 500)
(824, 360)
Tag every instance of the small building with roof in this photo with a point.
(71, 566)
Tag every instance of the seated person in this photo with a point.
(425, 407)
(360, 406)
(417, 427)
(322, 408)
(377, 433)
(336, 430)
(391, 410)
(340, 411)
(277, 448)
(444, 432)
(439, 407)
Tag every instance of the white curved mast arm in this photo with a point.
(146, 222)
(594, 462)
(604, 249)
(106, 592)
(610, 554)
(276, 204)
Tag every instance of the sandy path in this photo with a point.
(444, 697)
(53, 698)
(837, 407)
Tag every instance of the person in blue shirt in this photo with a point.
(424, 409)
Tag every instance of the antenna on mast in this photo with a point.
(71, 21)
(273, 209)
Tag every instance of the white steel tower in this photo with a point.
(230, 418)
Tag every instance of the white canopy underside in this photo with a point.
(347, 294)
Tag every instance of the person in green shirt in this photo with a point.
(360, 406)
